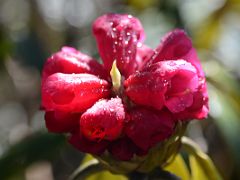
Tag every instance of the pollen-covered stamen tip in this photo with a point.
(116, 77)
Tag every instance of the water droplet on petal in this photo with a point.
(111, 110)
(139, 44)
(171, 63)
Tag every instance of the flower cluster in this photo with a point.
(155, 89)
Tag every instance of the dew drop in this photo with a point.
(111, 110)
(162, 73)
(139, 45)
(171, 63)
(126, 42)
(130, 16)
(114, 29)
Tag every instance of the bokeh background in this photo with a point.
(30, 30)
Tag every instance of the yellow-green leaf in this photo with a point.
(197, 172)
(179, 168)
(201, 165)
(105, 175)
(87, 157)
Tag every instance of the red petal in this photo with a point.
(104, 120)
(179, 103)
(72, 92)
(146, 88)
(84, 145)
(144, 53)
(183, 84)
(199, 108)
(177, 45)
(146, 127)
(117, 38)
(123, 149)
(61, 122)
(161, 81)
(70, 60)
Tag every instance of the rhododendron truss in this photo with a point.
(131, 103)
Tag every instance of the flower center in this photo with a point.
(116, 78)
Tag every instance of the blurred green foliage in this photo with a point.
(38, 147)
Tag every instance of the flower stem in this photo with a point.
(86, 170)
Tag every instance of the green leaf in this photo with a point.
(102, 174)
(87, 157)
(201, 165)
(106, 175)
(179, 168)
(197, 171)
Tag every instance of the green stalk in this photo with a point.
(87, 169)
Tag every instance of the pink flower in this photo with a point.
(130, 112)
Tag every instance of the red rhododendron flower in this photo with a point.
(147, 127)
(128, 109)
(124, 149)
(79, 141)
(61, 122)
(104, 120)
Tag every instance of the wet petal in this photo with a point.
(177, 45)
(61, 122)
(146, 88)
(123, 149)
(160, 81)
(70, 60)
(72, 92)
(179, 103)
(117, 37)
(199, 108)
(144, 53)
(104, 120)
(87, 146)
(147, 128)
